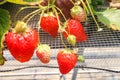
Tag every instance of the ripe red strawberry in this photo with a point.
(74, 27)
(49, 24)
(43, 53)
(78, 13)
(66, 60)
(21, 42)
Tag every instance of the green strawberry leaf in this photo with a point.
(4, 27)
(23, 2)
(31, 0)
(110, 17)
(17, 1)
(96, 3)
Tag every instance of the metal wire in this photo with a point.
(78, 66)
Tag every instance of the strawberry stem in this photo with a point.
(61, 13)
(30, 14)
(99, 29)
(53, 2)
(59, 27)
(72, 2)
(23, 9)
(37, 11)
(2, 2)
(39, 25)
(61, 37)
(87, 11)
(57, 18)
(85, 14)
(48, 6)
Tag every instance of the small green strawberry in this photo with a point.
(71, 39)
(81, 58)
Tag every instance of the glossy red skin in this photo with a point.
(66, 61)
(22, 46)
(75, 28)
(50, 25)
(43, 56)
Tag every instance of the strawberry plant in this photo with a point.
(62, 17)
(49, 22)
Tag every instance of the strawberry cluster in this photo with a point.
(23, 40)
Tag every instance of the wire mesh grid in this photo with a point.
(101, 50)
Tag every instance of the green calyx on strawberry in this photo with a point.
(78, 13)
(43, 53)
(74, 27)
(76, 10)
(66, 60)
(20, 27)
(21, 42)
(49, 24)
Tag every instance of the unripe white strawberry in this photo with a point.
(43, 53)
(78, 13)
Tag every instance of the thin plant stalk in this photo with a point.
(39, 25)
(61, 37)
(30, 14)
(23, 8)
(61, 13)
(84, 5)
(3, 2)
(99, 29)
